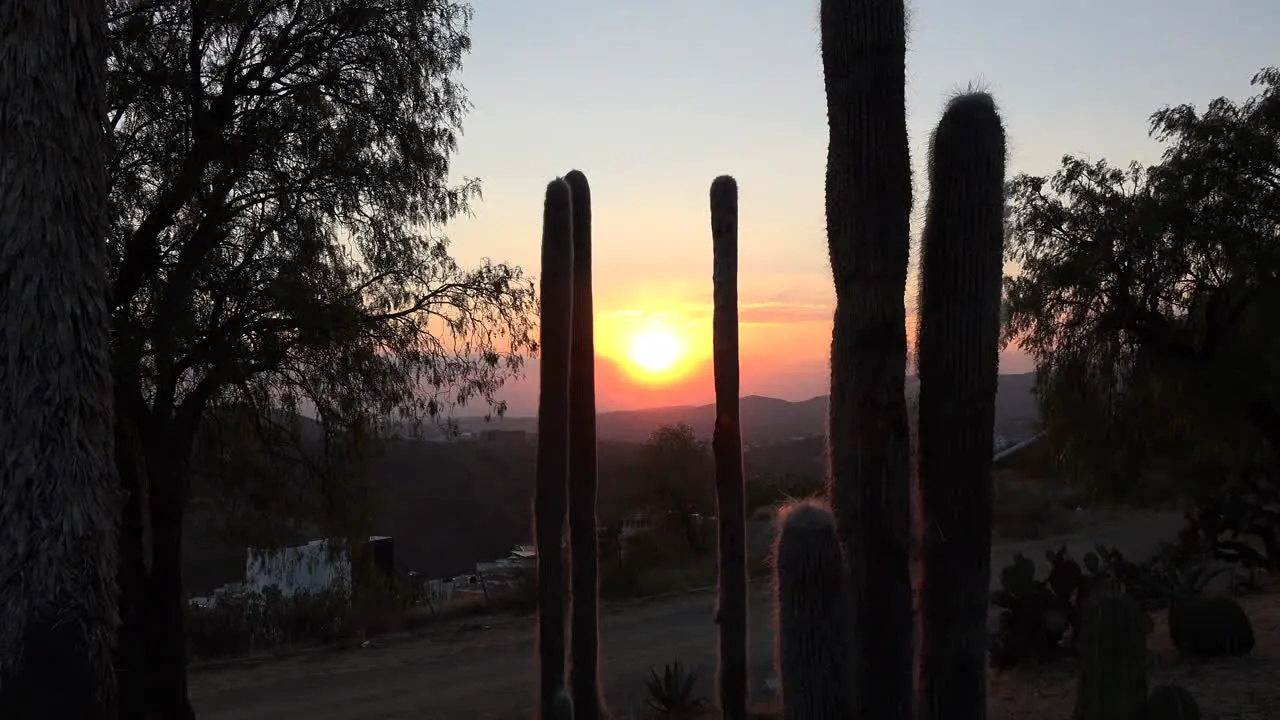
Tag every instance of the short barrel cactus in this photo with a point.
(1210, 627)
(1113, 658)
(1172, 702)
(814, 629)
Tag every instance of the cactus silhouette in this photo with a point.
(1172, 702)
(584, 621)
(958, 367)
(727, 448)
(551, 475)
(562, 706)
(815, 649)
(868, 207)
(1113, 658)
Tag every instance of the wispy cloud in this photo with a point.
(779, 312)
(751, 313)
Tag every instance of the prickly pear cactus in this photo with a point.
(1113, 658)
(812, 621)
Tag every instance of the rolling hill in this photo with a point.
(766, 419)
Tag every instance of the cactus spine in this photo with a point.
(1113, 658)
(727, 448)
(958, 367)
(551, 475)
(815, 649)
(584, 630)
(868, 207)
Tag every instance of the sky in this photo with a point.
(654, 99)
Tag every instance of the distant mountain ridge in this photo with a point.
(766, 419)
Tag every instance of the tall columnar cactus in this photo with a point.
(584, 630)
(727, 447)
(958, 367)
(1113, 658)
(815, 649)
(868, 207)
(551, 475)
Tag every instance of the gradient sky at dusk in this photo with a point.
(654, 99)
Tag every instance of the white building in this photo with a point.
(318, 566)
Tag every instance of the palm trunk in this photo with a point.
(57, 510)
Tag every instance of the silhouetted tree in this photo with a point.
(674, 479)
(58, 514)
(279, 179)
(1147, 295)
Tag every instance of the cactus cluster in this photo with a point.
(565, 478)
(1112, 682)
(842, 568)
(870, 469)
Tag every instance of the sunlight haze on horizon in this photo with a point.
(653, 100)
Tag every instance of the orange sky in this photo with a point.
(653, 100)
(784, 353)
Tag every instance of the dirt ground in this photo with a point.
(1246, 688)
(486, 672)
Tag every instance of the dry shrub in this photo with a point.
(1027, 510)
(242, 623)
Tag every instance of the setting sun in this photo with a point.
(655, 350)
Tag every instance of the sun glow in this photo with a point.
(653, 348)
(655, 351)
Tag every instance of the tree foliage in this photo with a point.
(674, 481)
(279, 178)
(1143, 293)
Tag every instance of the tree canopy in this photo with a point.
(673, 479)
(279, 179)
(1143, 293)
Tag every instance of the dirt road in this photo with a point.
(488, 674)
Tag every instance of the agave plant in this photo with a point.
(1191, 581)
(673, 693)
